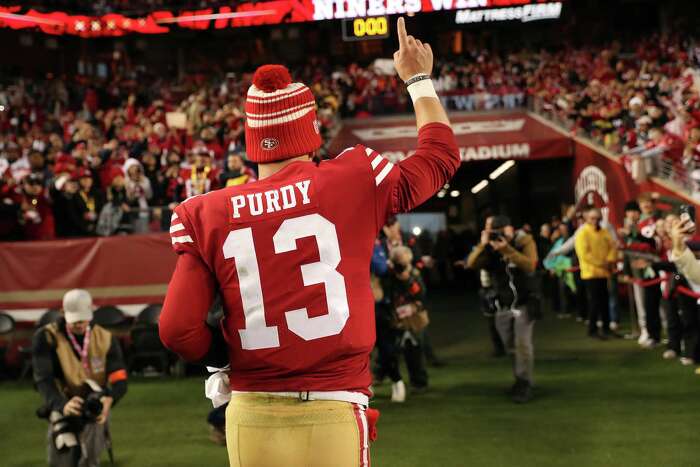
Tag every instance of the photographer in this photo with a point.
(485, 304)
(510, 257)
(80, 373)
(405, 291)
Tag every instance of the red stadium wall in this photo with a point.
(116, 270)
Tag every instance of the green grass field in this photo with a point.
(597, 404)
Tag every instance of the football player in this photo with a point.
(290, 255)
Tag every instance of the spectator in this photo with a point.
(689, 266)
(88, 204)
(200, 178)
(386, 362)
(156, 178)
(171, 175)
(561, 268)
(236, 172)
(649, 313)
(597, 255)
(114, 217)
(36, 216)
(63, 190)
(670, 303)
(138, 194)
(9, 207)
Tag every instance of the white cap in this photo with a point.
(77, 306)
(636, 100)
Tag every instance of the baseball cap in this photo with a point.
(77, 306)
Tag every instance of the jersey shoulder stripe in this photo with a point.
(381, 166)
(179, 232)
(379, 178)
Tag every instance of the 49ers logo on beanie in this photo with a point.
(268, 144)
(280, 117)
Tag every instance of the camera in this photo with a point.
(92, 406)
(399, 268)
(496, 235)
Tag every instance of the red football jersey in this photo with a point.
(290, 255)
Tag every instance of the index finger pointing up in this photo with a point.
(403, 37)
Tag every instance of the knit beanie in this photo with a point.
(280, 117)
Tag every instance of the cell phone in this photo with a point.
(687, 214)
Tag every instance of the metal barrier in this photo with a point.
(144, 220)
(675, 173)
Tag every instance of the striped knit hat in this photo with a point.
(280, 117)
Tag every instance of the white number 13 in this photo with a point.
(257, 334)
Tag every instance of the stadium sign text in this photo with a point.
(525, 14)
(475, 153)
(497, 151)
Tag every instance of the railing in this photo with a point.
(140, 220)
(674, 173)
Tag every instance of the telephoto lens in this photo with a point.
(92, 407)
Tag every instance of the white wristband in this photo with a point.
(422, 88)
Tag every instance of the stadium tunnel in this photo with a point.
(528, 191)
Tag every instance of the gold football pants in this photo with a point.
(272, 431)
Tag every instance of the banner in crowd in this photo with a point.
(254, 13)
(462, 100)
(506, 135)
(116, 270)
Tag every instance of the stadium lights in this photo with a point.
(417, 231)
(454, 193)
(441, 194)
(501, 169)
(479, 186)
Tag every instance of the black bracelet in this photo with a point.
(417, 78)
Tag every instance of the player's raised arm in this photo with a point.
(414, 64)
(436, 159)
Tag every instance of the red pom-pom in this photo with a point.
(270, 78)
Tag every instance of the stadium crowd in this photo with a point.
(643, 104)
(88, 156)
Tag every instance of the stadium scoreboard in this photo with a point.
(362, 29)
